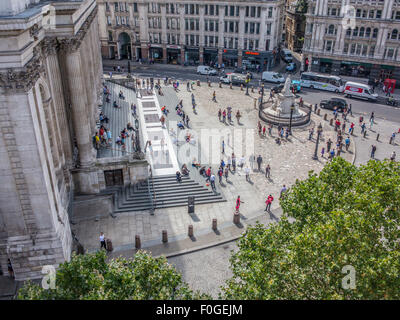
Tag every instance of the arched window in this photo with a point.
(331, 29)
(355, 32)
(361, 34)
(368, 32)
(394, 34)
(375, 33)
(348, 32)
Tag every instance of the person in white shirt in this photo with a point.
(247, 172)
(102, 241)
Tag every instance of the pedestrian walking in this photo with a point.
(226, 172)
(393, 156)
(102, 241)
(267, 171)
(220, 174)
(311, 132)
(229, 163)
(392, 138)
(223, 146)
(362, 127)
(212, 181)
(263, 131)
(283, 191)
(372, 117)
(347, 143)
(10, 269)
(268, 203)
(322, 152)
(351, 130)
(214, 97)
(219, 114)
(350, 110)
(233, 162)
(259, 161)
(224, 116)
(238, 202)
(247, 172)
(252, 159)
(373, 149)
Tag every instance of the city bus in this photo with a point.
(323, 82)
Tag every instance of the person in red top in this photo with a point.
(264, 131)
(351, 128)
(268, 202)
(208, 174)
(238, 202)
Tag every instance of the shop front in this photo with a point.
(230, 58)
(355, 69)
(258, 60)
(173, 54)
(325, 65)
(156, 53)
(210, 57)
(192, 56)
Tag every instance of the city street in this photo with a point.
(312, 96)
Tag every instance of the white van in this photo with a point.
(274, 77)
(359, 90)
(206, 71)
(233, 78)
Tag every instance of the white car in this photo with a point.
(274, 77)
(206, 71)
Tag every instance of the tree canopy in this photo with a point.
(345, 216)
(92, 277)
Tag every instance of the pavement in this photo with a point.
(291, 160)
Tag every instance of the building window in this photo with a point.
(397, 17)
(346, 48)
(375, 33)
(270, 12)
(394, 34)
(247, 12)
(109, 20)
(253, 12)
(371, 14)
(232, 11)
(135, 8)
(361, 34)
(252, 27)
(258, 12)
(353, 48)
(368, 32)
(237, 11)
(246, 27)
(107, 7)
(257, 28)
(269, 29)
(355, 32)
(364, 50)
(372, 51)
(110, 36)
(378, 14)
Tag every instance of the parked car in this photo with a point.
(291, 67)
(359, 90)
(286, 55)
(274, 77)
(206, 71)
(295, 84)
(332, 103)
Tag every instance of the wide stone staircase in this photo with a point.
(165, 192)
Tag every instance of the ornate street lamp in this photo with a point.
(319, 131)
(291, 115)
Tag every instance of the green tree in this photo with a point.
(346, 215)
(92, 277)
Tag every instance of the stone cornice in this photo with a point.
(25, 78)
(73, 44)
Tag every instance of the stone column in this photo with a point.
(79, 111)
(240, 55)
(242, 35)
(55, 83)
(182, 54)
(220, 52)
(164, 53)
(201, 55)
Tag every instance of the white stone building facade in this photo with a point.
(366, 45)
(193, 32)
(50, 83)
